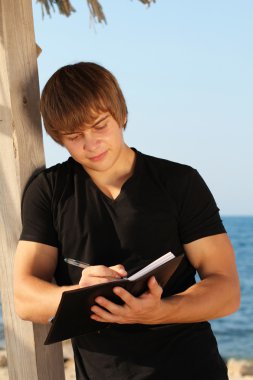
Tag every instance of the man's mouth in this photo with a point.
(98, 157)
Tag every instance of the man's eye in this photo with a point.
(73, 138)
(100, 127)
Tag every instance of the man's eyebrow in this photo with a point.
(99, 121)
(93, 125)
(70, 133)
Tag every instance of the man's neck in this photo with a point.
(111, 181)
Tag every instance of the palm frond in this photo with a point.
(66, 8)
(147, 2)
(96, 10)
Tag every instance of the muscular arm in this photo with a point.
(36, 297)
(218, 292)
(216, 295)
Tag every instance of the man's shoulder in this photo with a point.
(167, 167)
(47, 178)
(58, 169)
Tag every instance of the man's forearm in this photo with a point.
(214, 297)
(37, 300)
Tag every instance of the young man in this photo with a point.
(115, 208)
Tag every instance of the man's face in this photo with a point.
(96, 147)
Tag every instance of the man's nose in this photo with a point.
(90, 142)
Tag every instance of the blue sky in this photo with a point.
(185, 68)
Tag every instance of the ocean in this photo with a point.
(234, 333)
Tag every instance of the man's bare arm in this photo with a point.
(36, 297)
(218, 292)
(216, 295)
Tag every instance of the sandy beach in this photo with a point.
(238, 369)
(68, 363)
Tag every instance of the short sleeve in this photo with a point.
(199, 214)
(37, 215)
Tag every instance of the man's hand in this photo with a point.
(145, 309)
(97, 274)
(216, 295)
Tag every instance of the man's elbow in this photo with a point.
(21, 307)
(21, 311)
(237, 301)
(235, 298)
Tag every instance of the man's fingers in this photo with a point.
(106, 310)
(101, 271)
(128, 298)
(101, 314)
(154, 287)
(119, 268)
(134, 310)
(90, 280)
(97, 274)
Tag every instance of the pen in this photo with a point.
(83, 265)
(76, 263)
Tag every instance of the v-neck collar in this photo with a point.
(129, 180)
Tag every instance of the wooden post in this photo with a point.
(21, 153)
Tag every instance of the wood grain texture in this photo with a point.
(21, 154)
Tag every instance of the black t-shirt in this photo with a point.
(162, 206)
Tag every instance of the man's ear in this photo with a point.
(125, 123)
